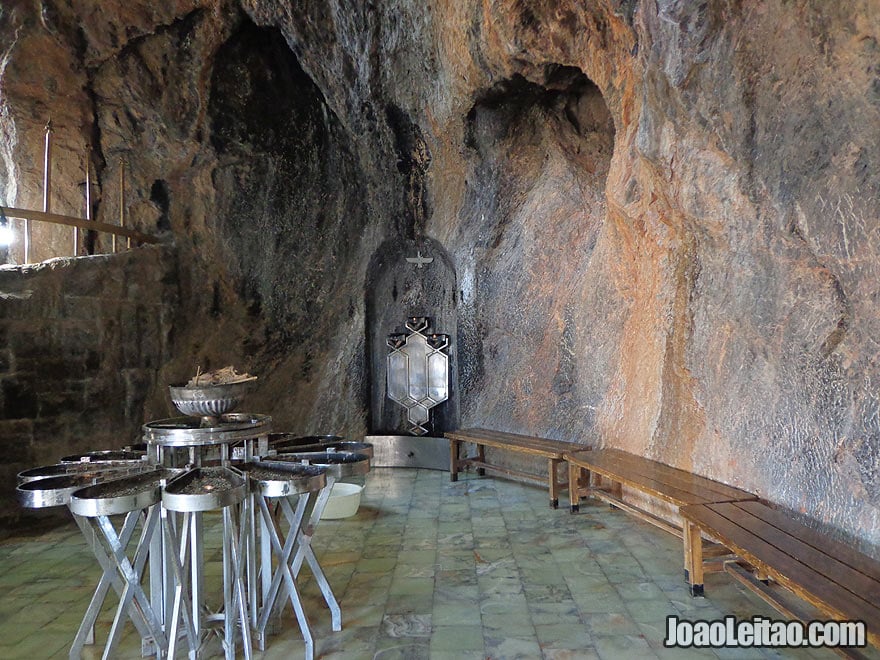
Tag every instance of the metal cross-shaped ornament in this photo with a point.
(418, 371)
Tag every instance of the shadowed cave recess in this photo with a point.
(652, 225)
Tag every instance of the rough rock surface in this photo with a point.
(84, 340)
(661, 216)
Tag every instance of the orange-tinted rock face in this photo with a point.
(661, 215)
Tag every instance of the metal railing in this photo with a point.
(86, 223)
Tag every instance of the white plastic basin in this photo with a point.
(344, 501)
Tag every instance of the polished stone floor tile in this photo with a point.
(477, 569)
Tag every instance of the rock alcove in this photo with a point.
(653, 224)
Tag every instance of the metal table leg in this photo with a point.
(305, 552)
(236, 603)
(177, 556)
(124, 576)
(283, 552)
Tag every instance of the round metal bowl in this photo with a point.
(189, 431)
(279, 479)
(209, 400)
(340, 464)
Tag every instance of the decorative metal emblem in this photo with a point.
(418, 371)
(419, 260)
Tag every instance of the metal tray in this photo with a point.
(62, 469)
(188, 431)
(353, 447)
(56, 491)
(104, 456)
(289, 440)
(122, 495)
(345, 446)
(280, 479)
(204, 489)
(340, 464)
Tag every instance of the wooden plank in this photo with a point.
(625, 464)
(775, 597)
(844, 553)
(516, 437)
(508, 471)
(81, 223)
(767, 593)
(501, 439)
(636, 469)
(651, 486)
(800, 579)
(865, 587)
(521, 447)
(657, 521)
(518, 443)
(709, 488)
(630, 464)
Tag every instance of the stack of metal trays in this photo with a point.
(339, 464)
(189, 431)
(281, 479)
(204, 489)
(129, 493)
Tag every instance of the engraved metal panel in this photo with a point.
(418, 371)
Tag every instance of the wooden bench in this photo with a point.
(552, 450)
(587, 469)
(839, 581)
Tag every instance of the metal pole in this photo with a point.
(76, 229)
(121, 200)
(88, 189)
(47, 189)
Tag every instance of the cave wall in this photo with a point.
(83, 343)
(661, 215)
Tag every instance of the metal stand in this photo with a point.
(283, 550)
(166, 494)
(124, 576)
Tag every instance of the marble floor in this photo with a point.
(481, 568)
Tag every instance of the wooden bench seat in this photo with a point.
(834, 578)
(551, 450)
(678, 487)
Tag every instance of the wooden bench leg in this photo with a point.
(693, 558)
(616, 489)
(552, 464)
(453, 460)
(481, 456)
(575, 473)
